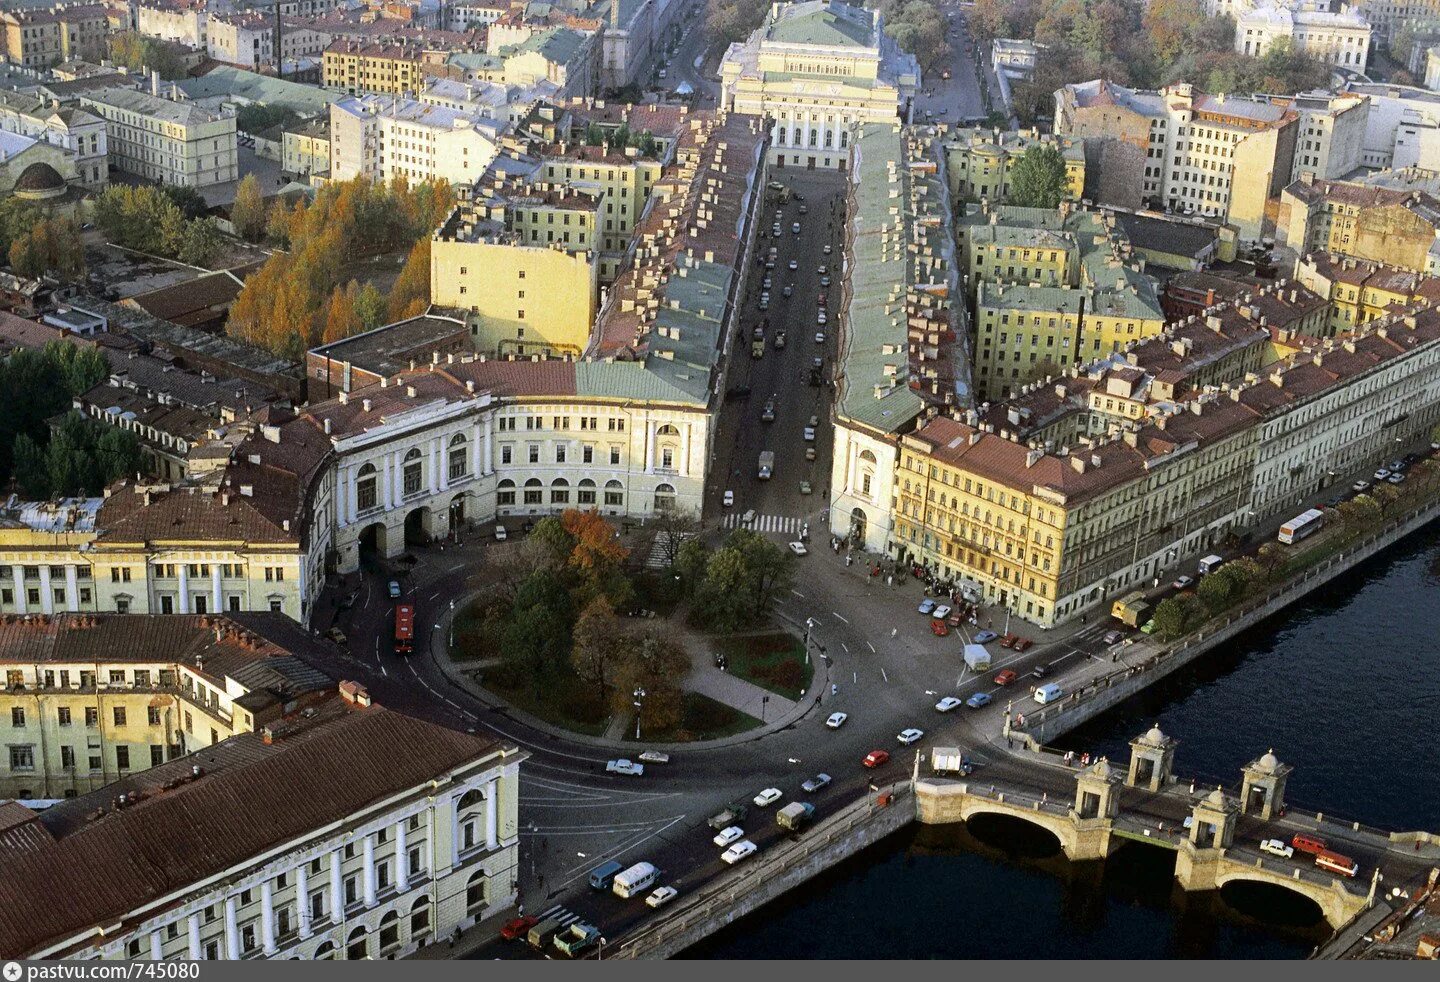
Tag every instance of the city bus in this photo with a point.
(1302, 525)
(1336, 863)
(404, 629)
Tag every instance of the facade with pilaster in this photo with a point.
(372, 834)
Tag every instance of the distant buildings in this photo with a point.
(42, 37)
(167, 141)
(1391, 226)
(385, 137)
(1340, 38)
(818, 69)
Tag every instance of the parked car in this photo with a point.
(1396, 478)
(655, 757)
(661, 896)
(1182, 582)
(500, 534)
(805, 488)
(624, 767)
(794, 264)
(516, 928)
(836, 720)
(876, 758)
(942, 611)
(767, 797)
(729, 499)
(815, 783)
(819, 337)
(1041, 671)
(1360, 486)
(1005, 677)
(909, 736)
(978, 699)
(394, 589)
(1277, 847)
(1113, 637)
(738, 852)
(926, 606)
(727, 837)
(947, 704)
(1022, 644)
(809, 434)
(985, 637)
(939, 628)
(798, 548)
(1381, 474)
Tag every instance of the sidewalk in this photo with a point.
(737, 693)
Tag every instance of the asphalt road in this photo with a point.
(957, 99)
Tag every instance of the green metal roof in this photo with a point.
(307, 100)
(822, 22)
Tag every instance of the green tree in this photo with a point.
(769, 570)
(652, 662)
(31, 472)
(1038, 178)
(192, 203)
(690, 562)
(370, 306)
(537, 638)
(200, 243)
(721, 601)
(247, 214)
(80, 368)
(1175, 616)
(553, 543)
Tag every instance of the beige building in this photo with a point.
(978, 162)
(1340, 38)
(305, 149)
(162, 140)
(349, 831)
(75, 130)
(184, 21)
(44, 37)
(1384, 225)
(387, 137)
(365, 67)
(817, 69)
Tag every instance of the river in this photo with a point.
(1340, 685)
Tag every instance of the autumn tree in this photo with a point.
(370, 306)
(410, 297)
(247, 213)
(341, 319)
(601, 642)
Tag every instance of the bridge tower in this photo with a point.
(1212, 831)
(1263, 791)
(1097, 802)
(1152, 760)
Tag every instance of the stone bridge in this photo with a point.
(1215, 834)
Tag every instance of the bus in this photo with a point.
(1302, 525)
(404, 629)
(1336, 863)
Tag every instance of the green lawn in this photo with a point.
(702, 719)
(771, 661)
(561, 702)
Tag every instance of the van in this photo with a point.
(1308, 843)
(1210, 564)
(602, 876)
(635, 880)
(1048, 693)
(541, 934)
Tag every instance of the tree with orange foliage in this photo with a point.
(341, 320)
(597, 545)
(410, 297)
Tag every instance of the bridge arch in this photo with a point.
(1336, 903)
(1059, 826)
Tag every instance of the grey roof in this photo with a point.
(237, 83)
(145, 104)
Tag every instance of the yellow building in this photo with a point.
(43, 37)
(1383, 225)
(91, 699)
(621, 179)
(523, 266)
(363, 67)
(305, 149)
(1360, 291)
(978, 162)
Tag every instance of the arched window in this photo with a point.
(459, 457)
(324, 952)
(476, 892)
(559, 491)
(467, 815)
(365, 488)
(586, 493)
(414, 469)
(867, 456)
(664, 498)
(614, 494)
(534, 491)
(358, 947)
(667, 429)
(505, 493)
(419, 918)
(389, 931)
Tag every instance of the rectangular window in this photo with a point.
(157, 754)
(92, 716)
(22, 758)
(67, 756)
(122, 757)
(62, 715)
(119, 713)
(17, 716)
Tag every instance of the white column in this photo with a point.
(434, 483)
(387, 482)
(649, 447)
(370, 870)
(232, 931)
(302, 898)
(492, 793)
(442, 472)
(337, 890)
(489, 444)
(184, 571)
(47, 602)
(454, 832)
(192, 927)
(402, 858)
(685, 453)
(217, 597)
(157, 952)
(475, 437)
(398, 472)
(267, 917)
(17, 574)
(72, 590)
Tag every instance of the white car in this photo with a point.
(500, 533)
(1277, 847)
(909, 736)
(837, 720)
(661, 896)
(809, 434)
(827, 250)
(767, 797)
(729, 499)
(794, 264)
(1182, 583)
(795, 227)
(729, 836)
(819, 337)
(738, 852)
(943, 706)
(624, 767)
(941, 612)
(655, 757)
(798, 548)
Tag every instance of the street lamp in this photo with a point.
(639, 695)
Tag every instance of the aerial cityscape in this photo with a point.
(717, 479)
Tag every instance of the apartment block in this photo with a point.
(385, 137)
(183, 21)
(978, 162)
(1360, 291)
(1390, 226)
(622, 177)
(163, 140)
(40, 37)
(365, 67)
(1340, 37)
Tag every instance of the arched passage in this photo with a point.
(417, 526)
(1014, 834)
(374, 543)
(859, 523)
(457, 510)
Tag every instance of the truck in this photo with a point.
(794, 815)
(541, 934)
(757, 349)
(1210, 564)
(949, 760)
(733, 814)
(977, 657)
(767, 464)
(1132, 610)
(576, 938)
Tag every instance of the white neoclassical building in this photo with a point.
(344, 831)
(816, 70)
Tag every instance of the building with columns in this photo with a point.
(816, 70)
(341, 831)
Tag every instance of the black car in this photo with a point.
(1041, 671)
(737, 392)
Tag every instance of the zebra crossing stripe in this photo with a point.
(549, 912)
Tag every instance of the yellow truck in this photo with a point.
(1132, 610)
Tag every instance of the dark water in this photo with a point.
(1343, 686)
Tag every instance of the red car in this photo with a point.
(939, 629)
(1022, 643)
(876, 757)
(1005, 677)
(1007, 641)
(955, 619)
(517, 928)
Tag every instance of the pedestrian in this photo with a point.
(894, 631)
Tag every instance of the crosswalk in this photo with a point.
(661, 550)
(765, 523)
(566, 916)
